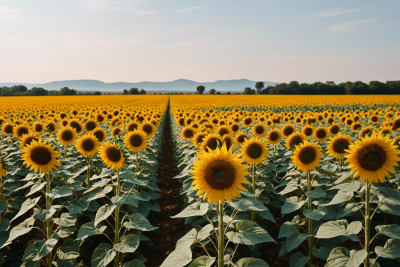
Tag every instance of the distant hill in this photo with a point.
(180, 85)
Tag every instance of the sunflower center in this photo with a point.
(66, 135)
(99, 135)
(254, 151)
(321, 133)
(113, 154)
(88, 145)
(200, 138)
(8, 129)
(76, 126)
(288, 131)
(340, 145)
(308, 131)
(132, 127)
(220, 174)
(51, 127)
(228, 143)
(241, 138)
(259, 130)
(22, 131)
(274, 136)
(371, 157)
(117, 131)
(247, 121)
(223, 131)
(335, 129)
(40, 155)
(148, 129)
(136, 140)
(29, 140)
(307, 155)
(374, 119)
(297, 140)
(212, 143)
(90, 126)
(188, 133)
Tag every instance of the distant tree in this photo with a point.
(212, 91)
(228, 93)
(97, 93)
(142, 92)
(37, 91)
(259, 86)
(19, 88)
(67, 91)
(134, 91)
(126, 92)
(200, 89)
(218, 93)
(249, 91)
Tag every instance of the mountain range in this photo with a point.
(180, 85)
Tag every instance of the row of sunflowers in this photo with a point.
(327, 166)
(78, 176)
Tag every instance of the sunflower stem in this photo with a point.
(253, 191)
(221, 235)
(1, 194)
(49, 256)
(310, 221)
(367, 223)
(88, 172)
(137, 162)
(340, 165)
(117, 226)
(65, 152)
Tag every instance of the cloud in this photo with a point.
(348, 26)
(10, 13)
(335, 12)
(117, 5)
(190, 8)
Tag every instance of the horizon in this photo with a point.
(153, 40)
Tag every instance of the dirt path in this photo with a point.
(171, 230)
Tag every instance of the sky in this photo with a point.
(164, 40)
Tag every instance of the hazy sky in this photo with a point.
(208, 40)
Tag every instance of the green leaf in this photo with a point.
(67, 263)
(5, 223)
(245, 205)
(77, 206)
(69, 250)
(66, 219)
(103, 255)
(391, 230)
(196, 209)
(138, 221)
(134, 263)
(340, 197)
(32, 250)
(351, 186)
(338, 228)
(294, 240)
(316, 193)
(128, 244)
(325, 247)
(46, 247)
(178, 258)
(27, 205)
(4, 236)
(203, 261)
(267, 215)
(3, 206)
(59, 191)
(131, 200)
(290, 187)
(103, 213)
(298, 260)
(391, 250)
(204, 232)
(249, 233)
(251, 262)
(43, 215)
(88, 229)
(21, 229)
(342, 257)
(322, 171)
(287, 228)
(314, 214)
(292, 204)
(187, 240)
(36, 187)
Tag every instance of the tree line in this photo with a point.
(22, 90)
(134, 91)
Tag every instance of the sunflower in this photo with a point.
(115, 131)
(274, 136)
(247, 121)
(228, 140)
(219, 174)
(259, 130)
(396, 124)
(21, 130)
(307, 156)
(112, 156)
(334, 129)
(3, 170)
(148, 128)
(308, 131)
(211, 141)
(7, 128)
(397, 142)
(235, 127)
(39, 127)
(188, 132)
(100, 118)
(385, 131)
(52, 127)
(76, 125)
(320, 134)
(372, 158)
(241, 137)
(64, 123)
(87, 145)
(254, 151)
(365, 131)
(66, 135)
(100, 134)
(223, 130)
(356, 126)
(40, 157)
(197, 139)
(90, 125)
(136, 140)
(337, 145)
(287, 130)
(131, 126)
(27, 139)
(295, 140)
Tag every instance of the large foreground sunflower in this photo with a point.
(219, 174)
(372, 158)
(307, 156)
(87, 145)
(254, 151)
(338, 144)
(112, 156)
(136, 140)
(40, 157)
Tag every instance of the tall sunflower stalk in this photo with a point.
(88, 145)
(3, 173)
(136, 141)
(371, 158)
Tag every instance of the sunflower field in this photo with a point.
(260, 181)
